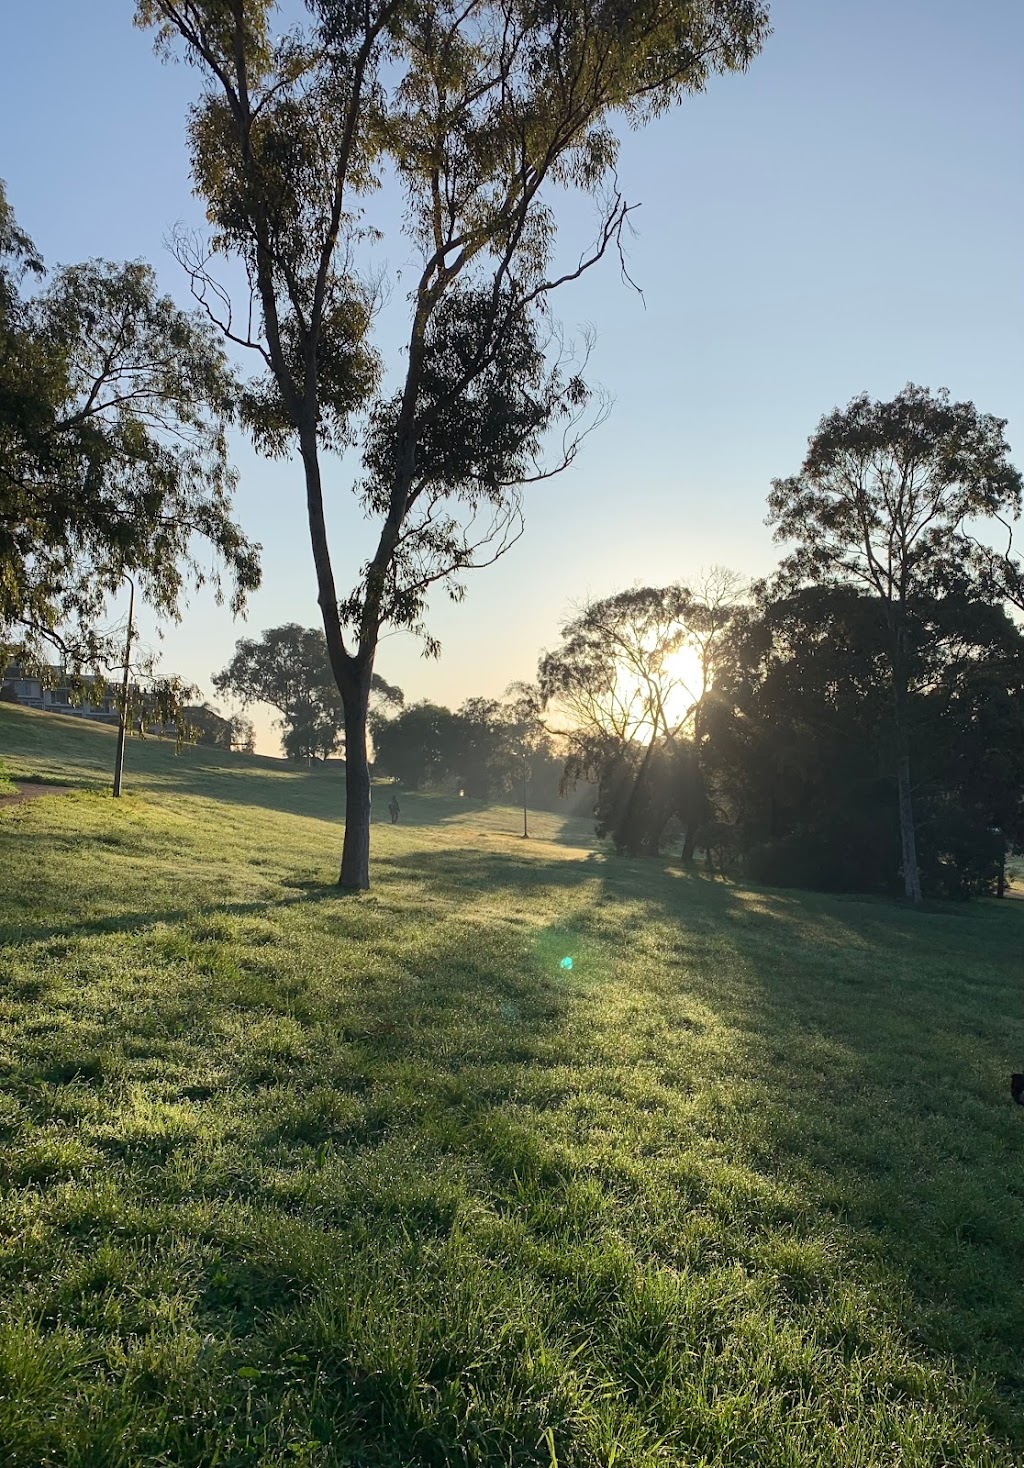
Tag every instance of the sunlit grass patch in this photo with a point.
(294, 1178)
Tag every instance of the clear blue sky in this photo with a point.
(847, 216)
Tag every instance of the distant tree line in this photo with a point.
(856, 722)
(487, 749)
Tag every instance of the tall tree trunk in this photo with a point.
(908, 837)
(351, 674)
(634, 841)
(355, 852)
(689, 844)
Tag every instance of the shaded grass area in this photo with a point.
(69, 751)
(63, 748)
(290, 1178)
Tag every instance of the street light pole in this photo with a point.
(122, 723)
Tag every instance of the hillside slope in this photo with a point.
(295, 1178)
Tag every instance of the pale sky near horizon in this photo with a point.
(847, 216)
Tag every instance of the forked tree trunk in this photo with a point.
(355, 852)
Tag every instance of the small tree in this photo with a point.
(483, 112)
(530, 736)
(882, 501)
(206, 726)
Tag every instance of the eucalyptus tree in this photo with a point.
(485, 112)
(884, 501)
(114, 405)
(630, 677)
(611, 675)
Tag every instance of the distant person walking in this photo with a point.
(395, 809)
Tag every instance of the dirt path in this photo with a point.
(31, 792)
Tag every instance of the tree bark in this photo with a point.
(355, 851)
(908, 838)
(634, 840)
(908, 835)
(689, 844)
(352, 675)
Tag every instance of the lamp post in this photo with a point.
(122, 722)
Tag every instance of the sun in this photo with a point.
(681, 682)
(683, 674)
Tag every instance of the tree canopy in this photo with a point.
(883, 502)
(114, 406)
(484, 113)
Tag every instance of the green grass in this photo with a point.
(289, 1178)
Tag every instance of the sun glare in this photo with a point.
(682, 684)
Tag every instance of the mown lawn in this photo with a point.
(289, 1178)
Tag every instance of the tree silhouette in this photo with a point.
(484, 113)
(881, 502)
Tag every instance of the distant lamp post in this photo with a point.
(122, 722)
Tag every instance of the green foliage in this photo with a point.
(782, 758)
(291, 1178)
(113, 458)
(485, 114)
(288, 667)
(884, 502)
(486, 748)
(799, 741)
(887, 490)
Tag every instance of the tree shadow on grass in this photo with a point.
(15, 935)
(371, 1145)
(865, 1074)
(873, 1049)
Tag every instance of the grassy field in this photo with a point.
(290, 1178)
